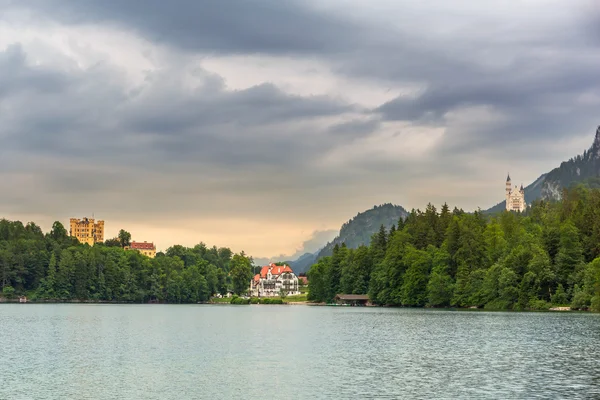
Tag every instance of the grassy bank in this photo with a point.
(301, 298)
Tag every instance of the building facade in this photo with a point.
(147, 249)
(273, 280)
(87, 230)
(515, 197)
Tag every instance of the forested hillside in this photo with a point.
(359, 229)
(549, 255)
(55, 266)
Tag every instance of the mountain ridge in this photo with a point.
(582, 168)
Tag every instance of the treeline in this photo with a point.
(548, 255)
(55, 266)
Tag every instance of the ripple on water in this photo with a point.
(174, 352)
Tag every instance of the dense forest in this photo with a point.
(55, 266)
(549, 255)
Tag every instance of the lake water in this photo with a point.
(293, 352)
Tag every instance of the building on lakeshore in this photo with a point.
(352, 299)
(87, 230)
(147, 249)
(273, 280)
(515, 198)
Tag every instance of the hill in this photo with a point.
(358, 230)
(582, 169)
(355, 232)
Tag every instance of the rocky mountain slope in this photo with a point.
(584, 169)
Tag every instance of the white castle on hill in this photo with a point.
(515, 198)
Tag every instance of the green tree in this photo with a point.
(560, 297)
(124, 238)
(570, 253)
(241, 273)
(440, 288)
(8, 292)
(58, 232)
(416, 277)
(114, 242)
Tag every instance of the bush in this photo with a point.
(538, 305)
(498, 305)
(559, 298)
(8, 292)
(581, 300)
(595, 303)
(263, 300)
(239, 300)
(271, 301)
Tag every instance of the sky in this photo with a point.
(263, 125)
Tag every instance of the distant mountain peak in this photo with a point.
(596, 145)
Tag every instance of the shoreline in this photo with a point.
(559, 309)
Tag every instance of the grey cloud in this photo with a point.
(157, 112)
(98, 144)
(537, 99)
(15, 77)
(221, 26)
(208, 124)
(356, 128)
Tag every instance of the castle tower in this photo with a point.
(508, 190)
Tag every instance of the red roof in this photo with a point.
(142, 246)
(275, 270)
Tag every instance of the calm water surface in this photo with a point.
(293, 352)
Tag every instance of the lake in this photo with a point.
(81, 351)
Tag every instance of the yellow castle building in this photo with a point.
(515, 198)
(87, 230)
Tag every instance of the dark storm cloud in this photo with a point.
(99, 120)
(535, 66)
(152, 110)
(532, 82)
(221, 26)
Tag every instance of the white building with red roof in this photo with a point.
(273, 280)
(147, 249)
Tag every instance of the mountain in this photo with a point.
(583, 169)
(358, 230)
(355, 232)
(303, 263)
